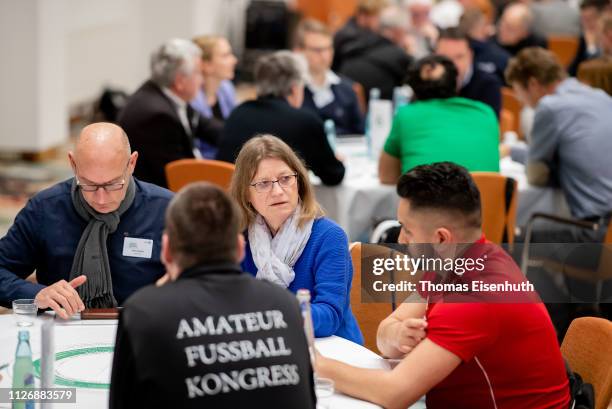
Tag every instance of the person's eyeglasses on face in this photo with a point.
(319, 50)
(284, 182)
(108, 187)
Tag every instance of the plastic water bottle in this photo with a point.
(23, 370)
(47, 359)
(374, 96)
(330, 132)
(303, 297)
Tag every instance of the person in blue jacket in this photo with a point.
(289, 242)
(93, 239)
(327, 94)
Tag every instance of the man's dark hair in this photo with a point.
(453, 33)
(202, 224)
(424, 80)
(442, 186)
(600, 5)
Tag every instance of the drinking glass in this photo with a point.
(24, 311)
(324, 389)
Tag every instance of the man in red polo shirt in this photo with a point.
(476, 353)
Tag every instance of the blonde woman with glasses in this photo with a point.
(289, 242)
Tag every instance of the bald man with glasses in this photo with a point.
(93, 239)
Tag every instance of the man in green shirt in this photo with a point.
(439, 126)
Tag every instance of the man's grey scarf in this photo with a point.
(91, 257)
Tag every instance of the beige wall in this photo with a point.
(60, 53)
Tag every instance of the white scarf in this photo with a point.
(276, 256)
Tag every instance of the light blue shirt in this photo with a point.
(572, 135)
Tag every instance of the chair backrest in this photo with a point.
(361, 97)
(498, 197)
(563, 47)
(507, 122)
(370, 314)
(597, 73)
(587, 347)
(608, 237)
(512, 105)
(604, 271)
(184, 171)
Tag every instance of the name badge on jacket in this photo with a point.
(134, 247)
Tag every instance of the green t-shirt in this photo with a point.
(456, 130)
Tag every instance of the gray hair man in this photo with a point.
(158, 119)
(514, 30)
(93, 239)
(394, 25)
(279, 78)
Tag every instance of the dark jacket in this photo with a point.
(154, 129)
(46, 233)
(376, 64)
(485, 88)
(490, 58)
(582, 55)
(214, 338)
(300, 129)
(343, 110)
(350, 39)
(532, 40)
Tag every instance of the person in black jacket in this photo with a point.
(514, 30)
(360, 30)
(379, 60)
(488, 56)
(588, 47)
(209, 336)
(159, 122)
(472, 82)
(279, 78)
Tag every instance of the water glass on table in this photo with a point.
(24, 311)
(324, 389)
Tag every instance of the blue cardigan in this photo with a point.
(325, 268)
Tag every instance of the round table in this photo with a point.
(87, 358)
(361, 200)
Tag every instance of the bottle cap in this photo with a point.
(24, 335)
(303, 294)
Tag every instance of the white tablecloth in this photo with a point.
(533, 199)
(96, 368)
(361, 199)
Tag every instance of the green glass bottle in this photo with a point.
(23, 371)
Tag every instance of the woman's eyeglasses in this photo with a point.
(283, 181)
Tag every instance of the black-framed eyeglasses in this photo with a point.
(283, 181)
(108, 187)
